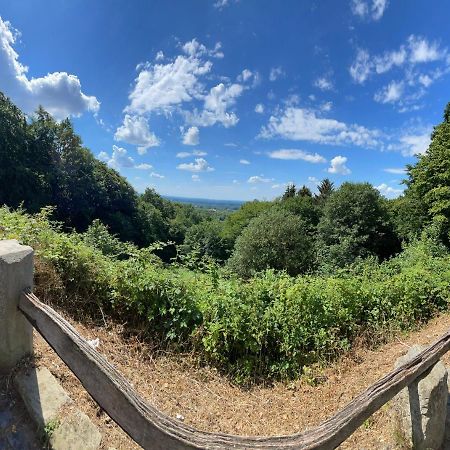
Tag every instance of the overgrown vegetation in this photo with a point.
(272, 288)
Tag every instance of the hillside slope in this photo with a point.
(208, 401)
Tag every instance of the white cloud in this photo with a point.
(360, 69)
(195, 178)
(161, 87)
(396, 171)
(187, 154)
(294, 154)
(388, 191)
(276, 73)
(259, 179)
(143, 166)
(388, 60)
(327, 106)
(58, 92)
(156, 175)
(323, 83)
(159, 56)
(135, 131)
(415, 144)
(259, 108)
(378, 8)
(417, 50)
(366, 9)
(338, 166)
(191, 137)
(422, 51)
(412, 59)
(216, 104)
(200, 165)
(245, 75)
(221, 4)
(299, 124)
(244, 161)
(391, 93)
(118, 159)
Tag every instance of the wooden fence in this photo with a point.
(152, 429)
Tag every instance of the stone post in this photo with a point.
(422, 406)
(16, 274)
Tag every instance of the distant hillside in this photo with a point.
(231, 205)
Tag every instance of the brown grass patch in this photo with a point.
(203, 398)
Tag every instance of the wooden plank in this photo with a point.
(154, 430)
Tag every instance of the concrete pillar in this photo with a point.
(16, 274)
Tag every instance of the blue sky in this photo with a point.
(232, 99)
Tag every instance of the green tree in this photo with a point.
(429, 178)
(289, 192)
(304, 207)
(238, 220)
(20, 163)
(276, 239)
(304, 191)
(325, 188)
(207, 237)
(355, 224)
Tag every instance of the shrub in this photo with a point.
(272, 325)
(276, 239)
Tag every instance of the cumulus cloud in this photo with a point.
(200, 165)
(419, 63)
(361, 67)
(276, 73)
(299, 124)
(391, 93)
(58, 92)
(245, 75)
(365, 9)
(195, 177)
(389, 191)
(134, 130)
(417, 50)
(422, 51)
(221, 4)
(143, 166)
(414, 144)
(244, 161)
(194, 153)
(216, 105)
(327, 106)
(120, 159)
(259, 108)
(259, 179)
(295, 154)
(161, 87)
(191, 137)
(323, 83)
(338, 166)
(156, 175)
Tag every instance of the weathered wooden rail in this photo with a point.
(154, 430)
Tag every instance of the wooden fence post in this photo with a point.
(16, 274)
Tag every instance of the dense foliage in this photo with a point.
(276, 239)
(271, 325)
(262, 291)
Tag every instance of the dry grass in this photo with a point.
(176, 385)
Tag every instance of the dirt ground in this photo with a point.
(202, 398)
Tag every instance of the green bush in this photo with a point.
(272, 325)
(276, 239)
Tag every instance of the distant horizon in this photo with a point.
(205, 198)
